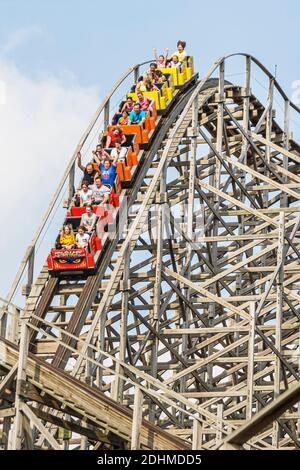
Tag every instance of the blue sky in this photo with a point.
(58, 58)
(95, 40)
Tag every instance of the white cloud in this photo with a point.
(20, 37)
(41, 123)
(2, 92)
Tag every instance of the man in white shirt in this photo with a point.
(100, 193)
(118, 152)
(89, 219)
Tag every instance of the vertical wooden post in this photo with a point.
(269, 118)
(250, 371)
(6, 428)
(190, 225)
(265, 193)
(269, 121)
(243, 159)
(278, 332)
(30, 273)
(14, 325)
(298, 404)
(137, 419)
(220, 121)
(88, 368)
(192, 172)
(197, 435)
(136, 73)
(181, 323)
(3, 323)
(106, 115)
(246, 108)
(215, 181)
(285, 160)
(71, 189)
(28, 433)
(157, 283)
(21, 377)
(286, 131)
(125, 286)
(219, 434)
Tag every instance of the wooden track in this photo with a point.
(91, 285)
(101, 412)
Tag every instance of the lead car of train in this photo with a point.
(139, 138)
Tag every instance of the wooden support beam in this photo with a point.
(137, 419)
(263, 418)
(197, 435)
(39, 425)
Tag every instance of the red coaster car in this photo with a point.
(75, 259)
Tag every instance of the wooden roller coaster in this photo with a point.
(187, 335)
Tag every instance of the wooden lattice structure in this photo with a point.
(191, 326)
